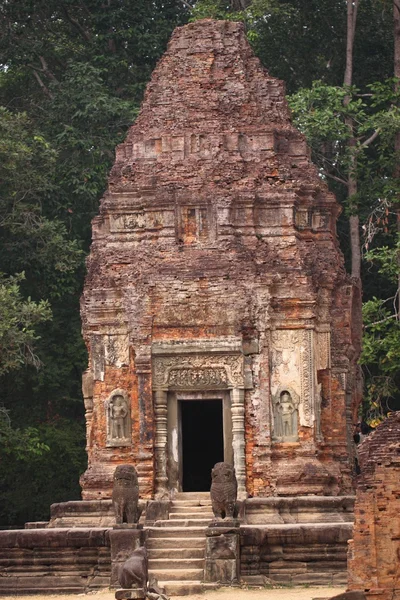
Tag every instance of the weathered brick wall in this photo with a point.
(374, 553)
(216, 226)
(57, 560)
(295, 554)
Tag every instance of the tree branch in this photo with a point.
(46, 69)
(381, 321)
(339, 179)
(45, 89)
(85, 34)
(371, 138)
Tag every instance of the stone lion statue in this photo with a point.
(223, 490)
(125, 495)
(133, 573)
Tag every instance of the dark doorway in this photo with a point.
(202, 442)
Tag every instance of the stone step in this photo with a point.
(187, 503)
(177, 532)
(191, 495)
(185, 588)
(192, 516)
(177, 574)
(191, 509)
(176, 563)
(176, 543)
(173, 552)
(183, 522)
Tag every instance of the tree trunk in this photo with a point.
(240, 4)
(396, 173)
(352, 7)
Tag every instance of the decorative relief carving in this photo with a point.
(343, 380)
(197, 377)
(97, 355)
(198, 370)
(108, 350)
(118, 419)
(117, 350)
(320, 220)
(307, 378)
(324, 305)
(302, 218)
(323, 350)
(292, 364)
(285, 357)
(137, 221)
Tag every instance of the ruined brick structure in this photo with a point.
(374, 552)
(216, 283)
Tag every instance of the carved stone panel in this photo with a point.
(140, 220)
(116, 350)
(198, 371)
(307, 378)
(292, 366)
(323, 350)
(108, 350)
(118, 417)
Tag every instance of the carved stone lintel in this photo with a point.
(192, 378)
(194, 371)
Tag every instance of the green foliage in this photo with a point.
(18, 318)
(380, 357)
(319, 112)
(301, 41)
(31, 240)
(19, 444)
(42, 465)
(85, 120)
(215, 9)
(73, 77)
(388, 260)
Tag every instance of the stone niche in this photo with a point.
(216, 302)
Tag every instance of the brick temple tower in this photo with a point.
(217, 311)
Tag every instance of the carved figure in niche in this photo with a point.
(118, 413)
(223, 490)
(285, 417)
(125, 495)
(134, 571)
(118, 419)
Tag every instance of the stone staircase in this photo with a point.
(176, 546)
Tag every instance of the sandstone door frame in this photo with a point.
(184, 369)
(174, 424)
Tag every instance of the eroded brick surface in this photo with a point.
(217, 228)
(374, 552)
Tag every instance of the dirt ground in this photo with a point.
(311, 593)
